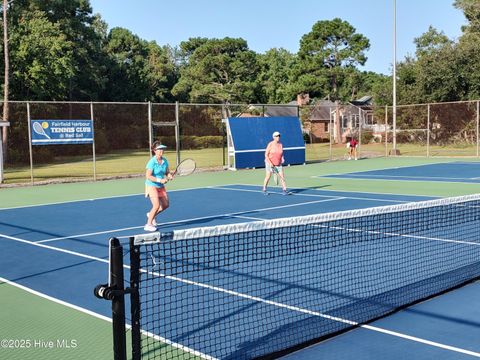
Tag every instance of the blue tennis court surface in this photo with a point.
(464, 172)
(49, 248)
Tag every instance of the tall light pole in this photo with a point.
(394, 118)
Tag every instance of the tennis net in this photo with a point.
(261, 289)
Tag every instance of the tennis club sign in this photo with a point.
(52, 132)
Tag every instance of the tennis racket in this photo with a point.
(275, 174)
(186, 167)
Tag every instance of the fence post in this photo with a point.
(428, 130)
(330, 127)
(177, 130)
(93, 144)
(3, 125)
(359, 133)
(478, 127)
(386, 130)
(150, 129)
(30, 142)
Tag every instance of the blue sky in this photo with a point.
(266, 24)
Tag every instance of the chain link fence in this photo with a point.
(123, 133)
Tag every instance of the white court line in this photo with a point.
(69, 201)
(341, 177)
(94, 199)
(350, 191)
(319, 314)
(319, 195)
(249, 218)
(401, 176)
(191, 219)
(55, 300)
(398, 167)
(89, 234)
(269, 302)
(86, 311)
(401, 235)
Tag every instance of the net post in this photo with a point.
(118, 302)
(135, 299)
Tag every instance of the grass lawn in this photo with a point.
(132, 162)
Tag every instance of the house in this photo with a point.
(326, 112)
(317, 118)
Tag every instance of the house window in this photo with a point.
(355, 121)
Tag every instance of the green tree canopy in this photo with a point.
(325, 53)
(56, 50)
(274, 75)
(139, 70)
(218, 70)
(43, 60)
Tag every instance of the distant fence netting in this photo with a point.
(124, 131)
(440, 129)
(164, 129)
(201, 128)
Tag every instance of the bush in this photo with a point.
(193, 142)
(306, 138)
(42, 155)
(367, 137)
(101, 142)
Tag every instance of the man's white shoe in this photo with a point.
(154, 222)
(149, 227)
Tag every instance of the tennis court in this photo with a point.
(59, 250)
(463, 172)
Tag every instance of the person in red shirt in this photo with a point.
(273, 163)
(353, 149)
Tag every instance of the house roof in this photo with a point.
(321, 110)
(290, 109)
(364, 100)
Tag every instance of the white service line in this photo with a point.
(360, 175)
(384, 179)
(95, 199)
(319, 195)
(189, 220)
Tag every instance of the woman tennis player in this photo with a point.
(352, 148)
(157, 175)
(273, 163)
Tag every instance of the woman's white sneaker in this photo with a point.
(149, 227)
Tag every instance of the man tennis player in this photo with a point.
(273, 163)
(157, 175)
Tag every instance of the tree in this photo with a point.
(43, 56)
(431, 41)
(67, 34)
(160, 72)
(327, 56)
(325, 53)
(138, 70)
(218, 71)
(468, 48)
(471, 10)
(127, 54)
(274, 75)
